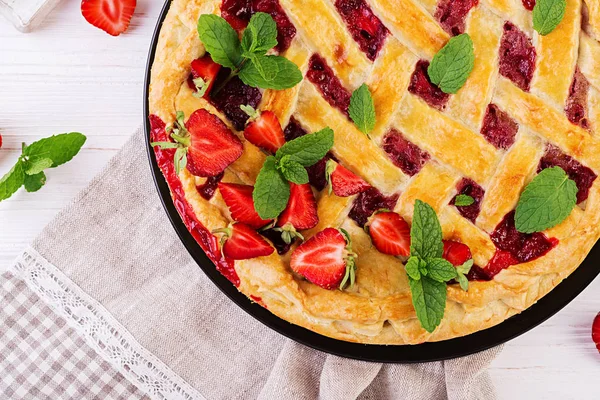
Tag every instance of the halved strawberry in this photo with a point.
(343, 182)
(596, 331)
(264, 130)
(301, 210)
(241, 206)
(213, 147)
(240, 242)
(390, 233)
(206, 69)
(455, 252)
(326, 259)
(112, 16)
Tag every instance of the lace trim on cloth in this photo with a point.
(101, 330)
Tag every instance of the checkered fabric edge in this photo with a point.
(100, 330)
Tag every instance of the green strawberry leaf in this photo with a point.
(546, 201)
(271, 191)
(548, 14)
(220, 40)
(362, 109)
(12, 181)
(307, 150)
(35, 182)
(429, 300)
(453, 64)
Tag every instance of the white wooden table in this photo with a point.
(68, 76)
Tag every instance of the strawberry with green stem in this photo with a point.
(241, 242)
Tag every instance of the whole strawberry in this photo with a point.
(596, 331)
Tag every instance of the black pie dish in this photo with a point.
(515, 326)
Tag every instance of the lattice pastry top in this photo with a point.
(531, 102)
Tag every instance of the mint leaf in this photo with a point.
(429, 300)
(260, 36)
(441, 270)
(453, 64)
(271, 191)
(413, 267)
(307, 150)
(463, 200)
(58, 148)
(362, 109)
(292, 170)
(37, 165)
(12, 181)
(546, 201)
(425, 233)
(547, 14)
(270, 72)
(35, 182)
(220, 40)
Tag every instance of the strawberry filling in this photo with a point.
(366, 29)
(322, 76)
(231, 96)
(275, 237)
(517, 56)
(420, 85)
(582, 175)
(205, 239)
(596, 331)
(368, 202)
(404, 154)
(208, 189)
(499, 128)
(523, 247)
(453, 13)
(577, 103)
(239, 12)
(470, 188)
(529, 4)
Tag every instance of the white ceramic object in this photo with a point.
(25, 15)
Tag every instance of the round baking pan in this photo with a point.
(549, 305)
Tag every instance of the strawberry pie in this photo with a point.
(384, 171)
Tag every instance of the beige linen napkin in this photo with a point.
(115, 244)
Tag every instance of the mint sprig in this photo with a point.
(463, 200)
(546, 201)
(41, 155)
(362, 109)
(272, 190)
(548, 14)
(248, 58)
(427, 271)
(453, 64)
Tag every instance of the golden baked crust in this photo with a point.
(379, 308)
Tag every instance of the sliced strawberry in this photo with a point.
(0, 141)
(241, 206)
(596, 331)
(112, 16)
(343, 182)
(326, 259)
(455, 252)
(265, 132)
(240, 242)
(213, 146)
(206, 69)
(390, 233)
(301, 210)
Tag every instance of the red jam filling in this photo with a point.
(208, 189)
(517, 56)
(322, 76)
(453, 13)
(577, 104)
(368, 202)
(404, 154)
(499, 128)
(470, 188)
(582, 175)
(230, 97)
(529, 4)
(421, 86)
(275, 238)
(316, 173)
(205, 239)
(239, 12)
(500, 261)
(523, 247)
(366, 29)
